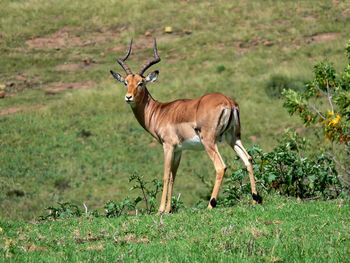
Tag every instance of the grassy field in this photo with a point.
(66, 133)
(281, 230)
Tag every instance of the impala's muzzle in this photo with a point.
(128, 99)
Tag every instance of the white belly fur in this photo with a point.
(194, 143)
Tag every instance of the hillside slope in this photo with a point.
(65, 130)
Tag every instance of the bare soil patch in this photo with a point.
(13, 110)
(20, 82)
(345, 12)
(63, 37)
(87, 63)
(59, 87)
(70, 67)
(147, 41)
(68, 37)
(310, 18)
(173, 58)
(252, 43)
(131, 238)
(117, 48)
(319, 38)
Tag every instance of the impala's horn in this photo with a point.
(122, 63)
(150, 62)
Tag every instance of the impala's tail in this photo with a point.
(236, 123)
(229, 122)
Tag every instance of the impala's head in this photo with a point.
(136, 83)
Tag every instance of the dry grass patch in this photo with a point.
(59, 87)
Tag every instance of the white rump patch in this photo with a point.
(194, 144)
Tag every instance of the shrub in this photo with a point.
(62, 211)
(287, 171)
(220, 68)
(113, 209)
(148, 195)
(325, 105)
(176, 204)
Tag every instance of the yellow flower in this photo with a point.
(335, 121)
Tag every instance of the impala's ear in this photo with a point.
(118, 77)
(151, 77)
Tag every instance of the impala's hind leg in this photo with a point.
(242, 153)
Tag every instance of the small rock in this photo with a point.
(168, 29)
(148, 34)
(2, 86)
(187, 31)
(2, 94)
(102, 54)
(87, 61)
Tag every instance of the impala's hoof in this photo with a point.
(257, 198)
(161, 210)
(213, 202)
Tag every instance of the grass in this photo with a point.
(280, 230)
(44, 150)
(81, 145)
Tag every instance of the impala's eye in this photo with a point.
(139, 84)
(125, 83)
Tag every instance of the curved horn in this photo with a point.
(152, 61)
(122, 63)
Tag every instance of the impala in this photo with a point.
(193, 124)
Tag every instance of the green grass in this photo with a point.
(43, 153)
(280, 230)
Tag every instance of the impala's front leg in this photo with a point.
(168, 159)
(174, 165)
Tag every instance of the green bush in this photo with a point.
(148, 195)
(287, 171)
(113, 209)
(324, 105)
(64, 210)
(176, 204)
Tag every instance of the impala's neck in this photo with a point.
(144, 110)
